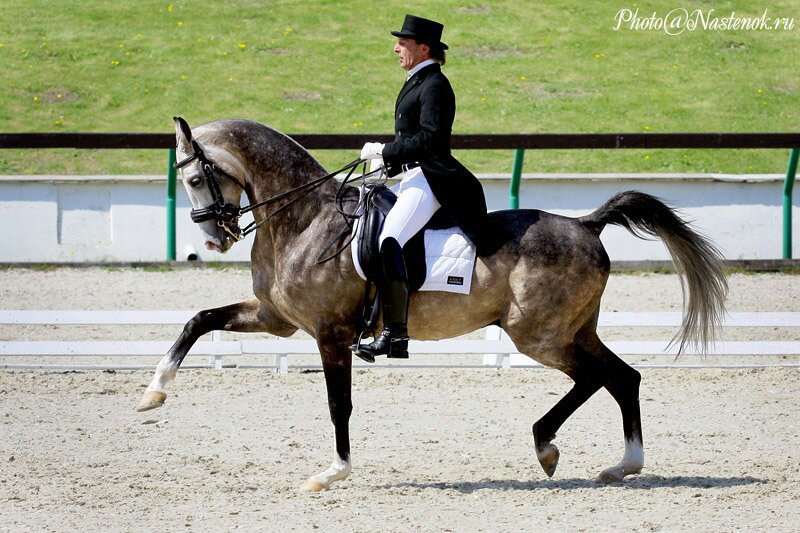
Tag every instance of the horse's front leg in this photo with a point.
(247, 316)
(337, 362)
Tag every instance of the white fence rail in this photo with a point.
(497, 349)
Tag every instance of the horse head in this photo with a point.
(214, 189)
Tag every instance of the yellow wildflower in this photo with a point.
(35, 98)
(759, 91)
(58, 122)
(242, 46)
(647, 157)
(287, 31)
(44, 44)
(58, 96)
(647, 128)
(183, 77)
(170, 8)
(523, 78)
(483, 98)
(180, 23)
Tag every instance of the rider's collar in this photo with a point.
(419, 67)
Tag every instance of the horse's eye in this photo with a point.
(195, 181)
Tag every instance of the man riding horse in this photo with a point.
(432, 178)
(543, 285)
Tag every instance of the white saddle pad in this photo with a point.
(449, 260)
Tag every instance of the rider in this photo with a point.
(432, 177)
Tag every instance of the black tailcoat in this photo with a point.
(424, 113)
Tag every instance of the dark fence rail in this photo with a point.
(460, 142)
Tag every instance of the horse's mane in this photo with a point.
(257, 142)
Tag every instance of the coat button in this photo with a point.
(400, 115)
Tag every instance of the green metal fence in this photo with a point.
(517, 142)
(788, 187)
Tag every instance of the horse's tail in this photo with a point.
(697, 260)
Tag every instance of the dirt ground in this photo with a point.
(434, 449)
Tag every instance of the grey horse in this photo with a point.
(543, 287)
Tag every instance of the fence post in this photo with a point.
(516, 175)
(788, 186)
(281, 363)
(172, 178)
(216, 360)
(501, 360)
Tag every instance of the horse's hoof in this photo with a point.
(548, 457)
(312, 486)
(610, 475)
(151, 400)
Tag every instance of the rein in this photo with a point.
(227, 215)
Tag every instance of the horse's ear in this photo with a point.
(183, 134)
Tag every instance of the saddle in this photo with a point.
(378, 200)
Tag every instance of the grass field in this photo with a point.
(318, 66)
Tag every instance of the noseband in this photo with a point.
(227, 215)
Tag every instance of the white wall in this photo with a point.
(122, 218)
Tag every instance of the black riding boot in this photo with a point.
(393, 341)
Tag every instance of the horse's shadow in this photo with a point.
(639, 482)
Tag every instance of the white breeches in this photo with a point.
(415, 206)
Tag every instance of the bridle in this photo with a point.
(227, 215)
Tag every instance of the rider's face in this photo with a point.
(410, 52)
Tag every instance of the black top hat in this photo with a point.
(421, 30)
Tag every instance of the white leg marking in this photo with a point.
(338, 471)
(165, 372)
(631, 463)
(155, 396)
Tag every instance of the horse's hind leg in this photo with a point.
(623, 384)
(243, 316)
(589, 376)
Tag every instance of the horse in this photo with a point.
(542, 287)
